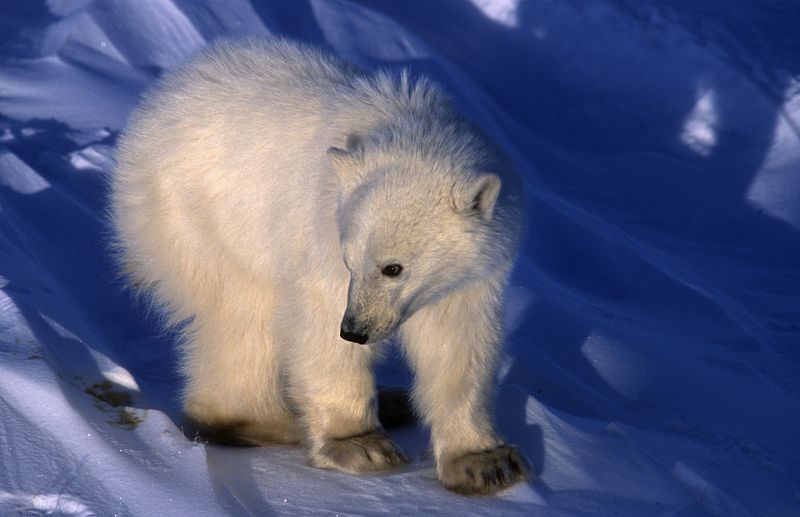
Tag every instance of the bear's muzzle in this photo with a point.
(351, 332)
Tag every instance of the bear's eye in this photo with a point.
(391, 270)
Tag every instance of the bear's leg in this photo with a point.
(333, 387)
(452, 346)
(234, 393)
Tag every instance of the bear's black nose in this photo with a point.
(354, 337)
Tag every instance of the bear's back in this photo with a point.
(224, 163)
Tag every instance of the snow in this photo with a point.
(653, 358)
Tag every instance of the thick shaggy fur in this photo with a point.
(260, 194)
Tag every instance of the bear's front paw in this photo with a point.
(485, 472)
(366, 452)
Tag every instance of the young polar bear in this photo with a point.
(282, 205)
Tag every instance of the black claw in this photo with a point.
(470, 474)
(396, 458)
(489, 478)
(501, 475)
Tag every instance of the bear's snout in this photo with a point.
(350, 331)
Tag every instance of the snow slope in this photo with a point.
(653, 359)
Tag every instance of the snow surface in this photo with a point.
(653, 359)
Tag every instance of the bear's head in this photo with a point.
(412, 231)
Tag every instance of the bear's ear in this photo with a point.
(479, 196)
(346, 163)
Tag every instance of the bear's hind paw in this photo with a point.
(243, 433)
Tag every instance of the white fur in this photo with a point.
(259, 192)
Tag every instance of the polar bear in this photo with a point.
(290, 212)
